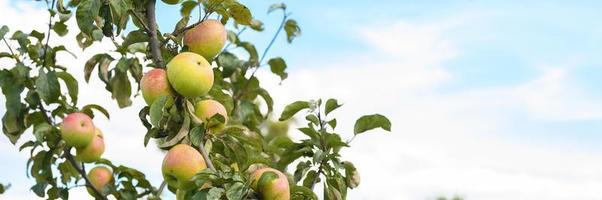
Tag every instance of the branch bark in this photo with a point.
(205, 154)
(71, 160)
(153, 42)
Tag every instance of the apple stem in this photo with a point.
(69, 157)
(152, 33)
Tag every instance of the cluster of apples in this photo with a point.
(190, 75)
(78, 130)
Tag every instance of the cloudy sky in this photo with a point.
(488, 100)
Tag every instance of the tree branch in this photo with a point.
(71, 160)
(48, 32)
(152, 33)
(205, 155)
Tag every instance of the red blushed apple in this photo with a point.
(99, 177)
(276, 189)
(93, 151)
(206, 109)
(154, 84)
(190, 75)
(180, 164)
(206, 39)
(77, 130)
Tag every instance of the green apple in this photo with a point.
(190, 74)
(274, 189)
(171, 2)
(180, 164)
(77, 130)
(154, 84)
(207, 38)
(94, 150)
(99, 178)
(205, 109)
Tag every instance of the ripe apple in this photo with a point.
(207, 39)
(154, 84)
(180, 164)
(205, 109)
(276, 189)
(94, 150)
(77, 130)
(99, 177)
(171, 2)
(190, 74)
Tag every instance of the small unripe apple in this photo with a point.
(190, 75)
(171, 2)
(276, 189)
(207, 38)
(180, 164)
(99, 178)
(77, 130)
(205, 109)
(154, 84)
(94, 150)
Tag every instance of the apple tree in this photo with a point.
(205, 105)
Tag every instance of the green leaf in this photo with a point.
(196, 135)
(86, 13)
(268, 99)
(310, 179)
(121, 89)
(292, 109)
(352, 176)
(47, 85)
(369, 122)
(88, 110)
(278, 67)
(313, 134)
(332, 123)
(60, 29)
(292, 30)
(3, 31)
(302, 193)
(277, 6)
(240, 13)
(133, 37)
(301, 169)
(229, 63)
(187, 8)
(331, 193)
(235, 191)
(157, 109)
(250, 48)
(100, 60)
(331, 104)
(71, 84)
(215, 193)
(39, 188)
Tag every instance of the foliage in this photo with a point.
(39, 92)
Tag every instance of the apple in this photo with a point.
(190, 74)
(205, 109)
(99, 177)
(180, 164)
(77, 130)
(94, 150)
(276, 189)
(207, 38)
(154, 84)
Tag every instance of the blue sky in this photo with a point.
(489, 99)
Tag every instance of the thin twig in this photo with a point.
(204, 153)
(152, 33)
(48, 32)
(71, 160)
(161, 187)
(11, 50)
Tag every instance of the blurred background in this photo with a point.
(488, 99)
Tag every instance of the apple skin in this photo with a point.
(154, 84)
(99, 177)
(180, 164)
(278, 189)
(206, 39)
(171, 2)
(94, 150)
(190, 75)
(77, 130)
(205, 109)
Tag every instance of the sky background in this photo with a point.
(488, 99)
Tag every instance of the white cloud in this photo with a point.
(442, 143)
